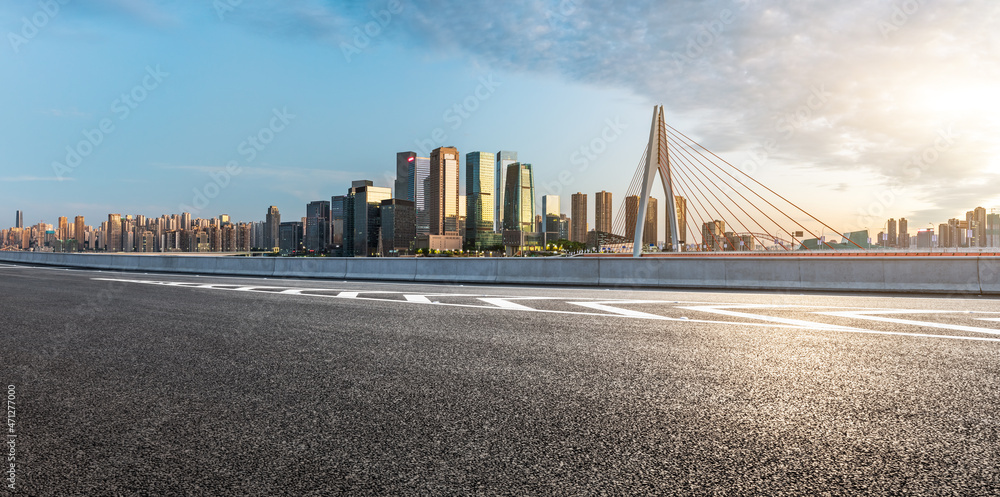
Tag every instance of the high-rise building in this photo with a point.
(113, 233)
(631, 215)
(79, 233)
(290, 236)
(19, 220)
(519, 198)
(272, 222)
(399, 222)
(893, 239)
(479, 193)
(443, 192)
(680, 204)
(403, 188)
(63, 233)
(552, 212)
(224, 219)
(954, 233)
(186, 220)
(649, 231)
(713, 236)
(338, 204)
(979, 217)
(565, 227)
(317, 227)
(578, 210)
(602, 212)
(925, 238)
(993, 230)
(904, 235)
(365, 204)
(943, 235)
(411, 181)
(503, 159)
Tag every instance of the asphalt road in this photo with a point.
(159, 384)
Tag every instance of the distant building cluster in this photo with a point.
(425, 212)
(979, 229)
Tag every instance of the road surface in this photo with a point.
(161, 384)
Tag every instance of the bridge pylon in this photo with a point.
(657, 160)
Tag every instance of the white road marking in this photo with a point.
(602, 306)
(723, 310)
(871, 315)
(504, 303)
(297, 291)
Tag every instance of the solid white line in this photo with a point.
(809, 325)
(506, 304)
(929, 324)
(774, 319)
(600, 306)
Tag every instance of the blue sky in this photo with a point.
(544, 78)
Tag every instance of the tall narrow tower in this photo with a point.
(657, 159)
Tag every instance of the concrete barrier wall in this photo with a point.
(312, 267)
(933, 274)
(391, 269)
(841, 273)
(457, 269)
(958, 275)
(989, 274)
(560, 271)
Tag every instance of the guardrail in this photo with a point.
(973, 274)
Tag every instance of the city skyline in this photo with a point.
(300, 104)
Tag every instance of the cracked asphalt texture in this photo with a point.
(129, 389)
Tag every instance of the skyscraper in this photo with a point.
(63, 233)
(579, 213)
(442, 196)
(680, 203)
(404, 187)
(503, 159)
(519, 198)
(649, 231)
(904, 235)
(892, 238)
(979, 216)
(272, 223)
(551, 210)
(317, 227)
(113, 233)
(365, 204)
(602, 212)
(713, 236)
(337, 219)
(631, 215)
(186, 220)
(649, 227)
(479, 192)
(289, 236)
(398, 221)
(993, 230)
(79, 233)
(19, 220)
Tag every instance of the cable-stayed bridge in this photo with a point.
(716, 205)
